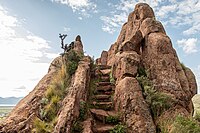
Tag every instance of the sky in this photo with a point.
(29, 33)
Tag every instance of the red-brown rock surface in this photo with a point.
(130, 102)
(146, 36)
(139, 68)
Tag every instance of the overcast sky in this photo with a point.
(29, 33)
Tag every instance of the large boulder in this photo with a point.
(104, 57)
(150, 25)
(167, 74)
(111, 54)
(126, 64)
(129, 101)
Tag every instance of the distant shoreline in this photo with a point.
(7, 105)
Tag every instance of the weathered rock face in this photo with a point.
(78, 46)
(133, 107)
(138, 69)
(104, 56)
(144, 36)
(77, 92)
(126, 64)
(22, 116)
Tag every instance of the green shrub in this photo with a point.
(141, 72)
(146, 85)
(82, 110)
(118, 129)
(51, 102)
(158, 101)
(41, 127)
(51, 112)
(73, 56)
(185, 125)
(72, 61)
(77, 127)
(44, 101)
(112, 80)
(112, 119)
(42, 113)
(72, 66)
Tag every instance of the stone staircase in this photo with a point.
(102, 110)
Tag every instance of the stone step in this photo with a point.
(102, 97)
(105, 71)
(102, 67)
(105, 78)
(102, 128)
(105, 88)
(103, 105)
(102, 115)
(104, 84)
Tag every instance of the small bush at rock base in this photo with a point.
(82, 110)
(77, 127)
(41, 127)
(112, 119)
(118, 129)
(185, 125)
(158, 101)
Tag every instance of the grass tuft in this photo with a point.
(56, 91)
(118, 129)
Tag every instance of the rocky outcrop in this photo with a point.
(143, 42)
(139, 83)
(77, 92)
(78, 46)
(131, 104)
(126, 65)
(22, 116)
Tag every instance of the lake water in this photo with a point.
(7, 105)
(5, 109)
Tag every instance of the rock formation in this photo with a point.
(137, 86)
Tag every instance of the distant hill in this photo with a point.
(10, 100)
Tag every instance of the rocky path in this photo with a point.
(102, 110)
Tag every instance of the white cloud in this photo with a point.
(188, 45)
(112, 23)
(165, 10)
(192, 30)
(80, 6)
(17, 56)
(174, 13)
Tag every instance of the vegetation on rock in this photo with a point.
(158, 101)
(72, 61)
(77, 127)
(181, 124)
(112, 119)
(112, 80)
(118, 129)
(51, 102)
